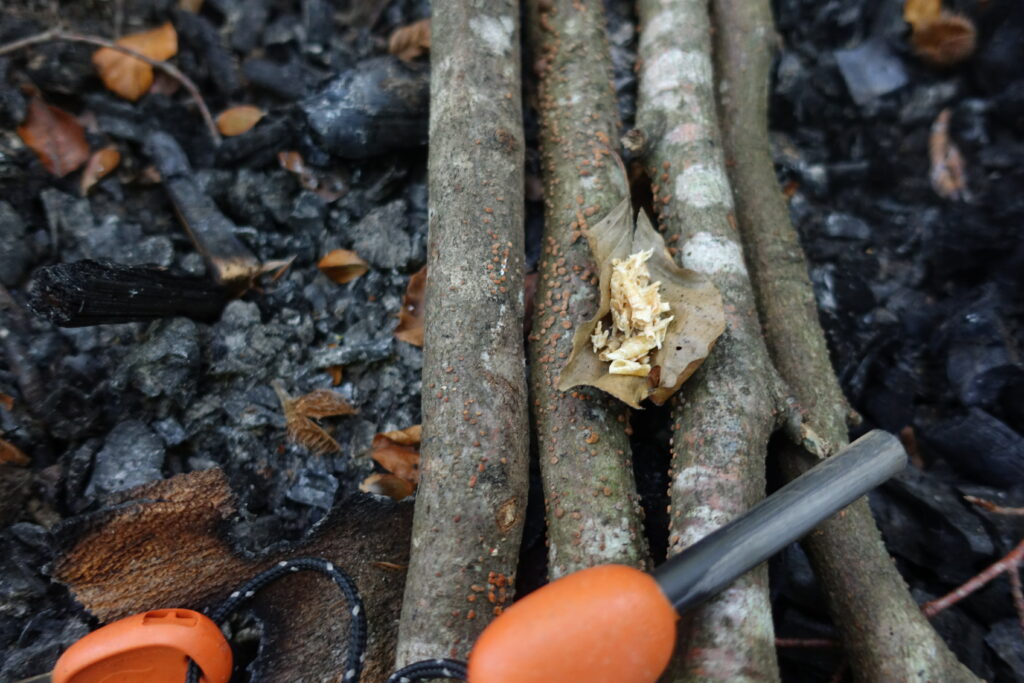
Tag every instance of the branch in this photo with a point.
(475, 453)
(581, 443)
(883, 631)
(168, 68)
(725, 414)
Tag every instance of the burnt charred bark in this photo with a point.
(593, 514)
(474, 455)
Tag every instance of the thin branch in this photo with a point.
(1018, 594)
(1011, 562)
(989, 506)
(826, 643)
(166, 67)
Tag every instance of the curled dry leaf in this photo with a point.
(11, 454)
(55, 136)
(130, 77)
(947, 174)
(939, 37)
(238, 120)
(409, 42)
(101, 163)
(398, 453)
(694, 304)
(917, 12)
(410, 436)
(410, 318)
(342, 265)
(387, 485)
(299, 415)
(326, 185)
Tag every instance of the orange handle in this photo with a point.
(607, 624)
(154, 647)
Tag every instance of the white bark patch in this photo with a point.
(703, 185)
(701, 521)
(708, 254)
(664, 78)
(495, 32)
(607, 544)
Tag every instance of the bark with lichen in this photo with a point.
(884, 633)
(593, 515)
(474, 454)
(725, 414)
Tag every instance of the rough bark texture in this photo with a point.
(884, 632)
(474, 455)
(590, 496)
(725, 414)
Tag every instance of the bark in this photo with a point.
(885, 635)
(593, 514)
(725, 414)
(474, 455)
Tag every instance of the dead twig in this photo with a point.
(1009, 564)
(989, 506)
(168, 68)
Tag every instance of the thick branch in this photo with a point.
(590, 496)
(474, 456)
(724, 414)
(885, 635)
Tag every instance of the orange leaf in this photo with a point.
(387, 485)
(336, 372)
(946, 40)
(410, 318)
(130, 77)
(11, 454)
(327, 186)
(7, 401)
(101, 163)
(299, 413)
(401, 460)
(915, 12)
(238, 120)
(948, 173)
(409, 42)
(342, 265)
(55, 136)
(410, 436)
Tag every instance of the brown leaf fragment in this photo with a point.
(387, 485)
(410, 436)
(55, 136)
(336, 372)
(916, 12)
(130, 77)
(402, 461)
(948, 174)
(299, 415)
(6, 401)
(326, 185)
(409, 42)
(101, 163)
(192, 6)
(11, 454)
(238, 120)
(945, 41)
(342, 265)
(694, 304)
(412, 315)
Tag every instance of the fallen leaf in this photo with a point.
(409, 42)
(336, 372)
(130, 77)
(410, 436)
(387, 485)
(916, 12)
(342, 265)
(948, 175)
(7, 401)
(11, 454)
(400, 459)
(946, 40)
(326, 185)
(238, 120)
(55, 136)
(411, 317)
(190, 5)
(299, 415)
(101, 163)
(693, 302)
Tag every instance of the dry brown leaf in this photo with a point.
(299, 414)
(238, 120)
(916, 12)
(411, 317)
(947, 175)
(326, 185)
(192, 6)
(336, 372)
(342, 265)
(55, 136)
(130, 77)
(409, 42)
(946, 40)
(101, 163)
(6, 401)
(695, 304)
(387, 485)
(410, 436)
(11, 454)
(402, 461)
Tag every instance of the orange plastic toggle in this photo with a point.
(153, 646)
(607, 624)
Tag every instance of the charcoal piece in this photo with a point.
(61, 67)
(77, 472)
(308, 213)
(131, 456)
(318, 24)
(315, 489)
(46, 636)
(262, 200)
(845, 226)
(870, 70)
(166, 363)
(980, 358)
(248, 27)
(66, 215)
(350, 353)
(93, 293)
(376, 107)
(287, 80)
(15, 254)
(965, 636)
(996, 64)
(381, 237)
(259, 145)
(980, 446)
(12, 102)
(14, 490)
(1004, 640)
(926, 100)
(948, 509)
(211, 60)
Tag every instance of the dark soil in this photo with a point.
(920, 295)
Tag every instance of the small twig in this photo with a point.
(166, 67)
(992, 507)
(1011, 562)
(806, 642)
(1018, 594)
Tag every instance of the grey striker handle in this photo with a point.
(711, 564)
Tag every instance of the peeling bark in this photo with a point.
(593, 512)
(884, 633)
(474, 455)
(725, 413)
